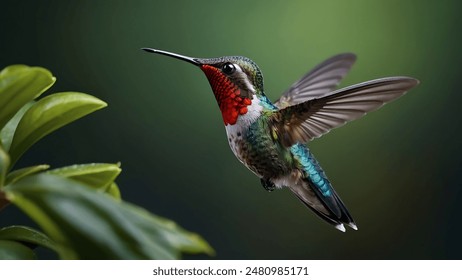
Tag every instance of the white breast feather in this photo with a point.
(236, 131)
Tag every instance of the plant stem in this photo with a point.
(3, 200)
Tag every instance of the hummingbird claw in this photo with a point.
(267, 184)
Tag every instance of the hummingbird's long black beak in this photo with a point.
(174, 55)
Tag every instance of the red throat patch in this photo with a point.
(227, 94)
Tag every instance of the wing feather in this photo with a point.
(302, 122)
(324, 78)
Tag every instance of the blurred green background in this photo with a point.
(398, 169)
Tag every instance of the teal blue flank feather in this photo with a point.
(312, 168)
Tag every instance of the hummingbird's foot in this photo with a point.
(267, 184)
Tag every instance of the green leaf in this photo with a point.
(11, 250)
(96, 175)
(28, 235)
(90, 225)
(4, 165)
(114, 191)
(18, 174)
(49, 114)
(7, 133)
(20, 84)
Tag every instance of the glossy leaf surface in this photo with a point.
(20, 84)
(95, 175)
(12, 250)
(49, 114)
(16, 175)
(27, 235)
(90, 225)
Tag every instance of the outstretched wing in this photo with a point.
(302, 122)
(322, 79)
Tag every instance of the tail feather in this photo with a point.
(316, 192)
(311, 200)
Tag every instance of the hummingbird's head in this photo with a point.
(235, 81)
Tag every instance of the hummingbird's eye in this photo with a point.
(228, 68)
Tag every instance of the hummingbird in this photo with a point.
(270, 138)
